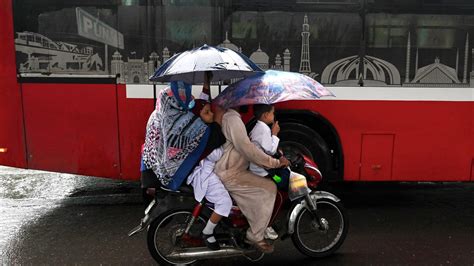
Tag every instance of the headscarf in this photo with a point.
(175, 137)
(182, 93)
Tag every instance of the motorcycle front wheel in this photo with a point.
(165, 235)
(321, 239)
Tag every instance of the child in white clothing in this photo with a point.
(207, 184)
(262, 136)
(266, 139)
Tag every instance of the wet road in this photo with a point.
(49, 218)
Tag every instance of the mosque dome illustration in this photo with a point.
(227, 44)
(153, 55)
(116, 56)
(375, 71)
(260, 58)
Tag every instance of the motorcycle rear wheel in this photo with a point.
(317, 242)
(165, 231)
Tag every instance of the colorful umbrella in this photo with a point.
(271, 87)
(190, 66)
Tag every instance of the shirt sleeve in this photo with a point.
(275, 141)
(235, 131)
(262, 136)
(215, 155)
(206, 166)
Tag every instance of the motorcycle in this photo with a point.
(317, 223)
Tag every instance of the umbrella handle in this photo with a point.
(206, 88)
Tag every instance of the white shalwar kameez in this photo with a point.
(261, 136)
(207, 184)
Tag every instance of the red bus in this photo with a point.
(75, 95)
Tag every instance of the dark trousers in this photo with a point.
(281, 177)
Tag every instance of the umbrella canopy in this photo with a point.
(190, 66)
(271, 87)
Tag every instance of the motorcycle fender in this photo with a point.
(158, 206)
(170, 202)
(315, 195)
(164, 204)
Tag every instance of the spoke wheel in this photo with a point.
(165, 235)
(315, 240)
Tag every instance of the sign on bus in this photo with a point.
(91, 27)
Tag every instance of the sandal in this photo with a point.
(210, 245)
(261, 246)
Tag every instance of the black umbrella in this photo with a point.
(190, 66)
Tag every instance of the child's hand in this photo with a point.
(284, 162)
(275, 128)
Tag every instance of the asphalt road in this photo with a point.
(390, 224)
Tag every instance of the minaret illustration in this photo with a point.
(305, 67)
(407, 68)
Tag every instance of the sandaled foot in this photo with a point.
(261, 246)
(211, 245)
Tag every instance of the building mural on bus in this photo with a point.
(37, 53)
(46, 55)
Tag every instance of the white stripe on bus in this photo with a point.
(145, 91)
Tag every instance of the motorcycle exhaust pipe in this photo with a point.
(205, 253)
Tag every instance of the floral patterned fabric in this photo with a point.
(172, 133)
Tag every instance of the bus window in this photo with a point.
(274, 39)
(188, 25)
(408, 45)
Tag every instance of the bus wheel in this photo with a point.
(297, 138)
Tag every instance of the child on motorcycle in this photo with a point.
(266, 139)
(205, 182)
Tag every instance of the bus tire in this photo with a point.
(298, 138)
